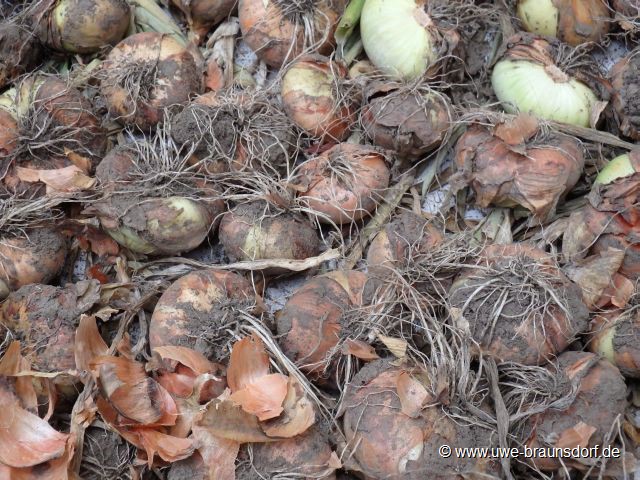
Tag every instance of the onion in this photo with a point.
(614, 336)
(146, 73)
(599, 401)
(343, 184)
(310, 323)
(515, 164)
(85, 26)
(411, 121)
(258, 231)
(197, 311)
(401, 38)
(204, 14)
(527, 79)
(570, 21)
(20, 51)
(517, 305)
(280, 30)
(44, 318)
(624, 75)
(312, 98)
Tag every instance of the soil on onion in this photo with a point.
(209, 132)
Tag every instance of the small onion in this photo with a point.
(625, 94)
(278, 30)
(258, 231)
(86, 26)
(146, 73)
(410, 121)
(196, 311)
(343, 184)
(573, 22)
(616, 336)
(310, 323)
(526, 79)
(598, 403)
(20, 52)
(530, 327)
(204, 14)
(311, 97)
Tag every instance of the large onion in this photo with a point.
(616, 336)
(573, 22)
(626, 101)
(204, 14)
(527, 79)
(343, 184)
(144, 74)
(517, 305)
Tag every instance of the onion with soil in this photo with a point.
(615, 336)
(517, 305)
(146, 73)
(202, 15)
(260, 231)
(20, 51)
(626, 103)
(570, 21)
(280, 30)
(412, 121)
(343, 184)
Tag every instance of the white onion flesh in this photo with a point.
(539, 16)
(617, 168)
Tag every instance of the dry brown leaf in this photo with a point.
(226, 420)
(249, 361)
(397, 346)
(219, 454)
(578, 435)
(80, 161)
(359, 349)
(12, 365)
(263, 397)
(412, 394)
(88, 344)
(67, 180)
(195, 361)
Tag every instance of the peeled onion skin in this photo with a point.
(332, 198)
(202, 15)
(616, 336)
(37, 257)
(157, 64)
(600, 401)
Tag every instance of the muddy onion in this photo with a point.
(344, 183)
(196, 310)
(20, 51)
(258, 231)
(409, 121)
(510, 165)
(310, 323)
(311, 97)
(615, 335)
(144, 74)
(517, 305)
(626, 101)
(570, 21)
(204, 14)
(599, 402)
(85, 26)
(526, 79)
(280, 30)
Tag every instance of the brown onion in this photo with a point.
(196, 311)
(626, 102)
(509, 165)
(616, 336)
(517, 305)
(146, 73)
(343, 184)
(20, 51)
(278, 30)
(411, 121)
(204, 14)
(311, 96)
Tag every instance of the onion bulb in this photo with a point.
(312, 98)
(343, 184)
(197, 311)
(20, 51)
(541, 310)
(400, 38)
(616, 336)
(515, 164)
(626, 102)
(599, 402)
(280, 30)
(258, 231)
(85, 26)
(204, 14)
(526, 79)
(573, 22)
(146, 73)
(411, 121)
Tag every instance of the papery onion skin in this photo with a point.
(616, 336)
(626, 102)
(330, 197)
(570, 21)
(169, 77)
(310, 94)
(20, 52)
(37, 257)
(9, 135)
(202, 15)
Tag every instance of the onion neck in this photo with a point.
(556, 74)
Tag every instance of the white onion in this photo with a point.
(539, 16)
(619, 167)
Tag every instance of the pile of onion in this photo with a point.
(20, 52)
(517, 306)
(515, 164)
(409, 120)
(204, 14)
(528, 79)
(146, 73)
(310, 324)
(197, 311)
(626, 102)
(343, 184)
(570, 21)
(82, 26)
(313, 98)
(261, 231)
(599, 401)
(280, 30)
